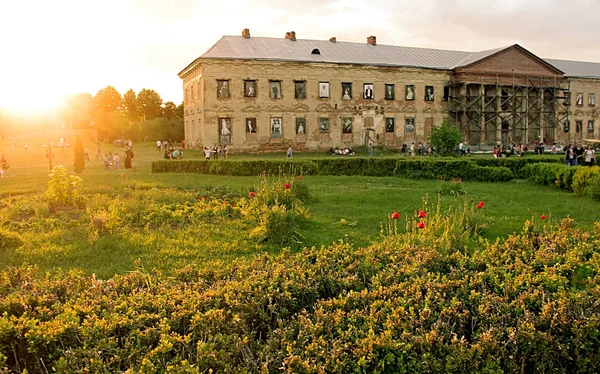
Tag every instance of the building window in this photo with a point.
(250, 88)
(410, 125)
(323, 125)
(323, 90)
(578, 126)
(592, 99)
(225, 130)
(590, 127)
(346, 91)
(251, 125)
(446, 93)
(223, 89)
(566, 126)
(410, 92)
(390, 92)
(300, 89)
(429, 93)
(300, 125)
(276, 128)
(567, 98)
(275, 87)
(390, 124)
(368, 91)
(347, 125)
(579, 99)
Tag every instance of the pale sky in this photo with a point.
(51, 48)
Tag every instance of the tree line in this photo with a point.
(141, 116)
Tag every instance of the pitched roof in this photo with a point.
(278, 49)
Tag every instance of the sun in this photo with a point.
(21, 100)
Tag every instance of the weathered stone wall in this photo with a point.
(584, 112)
(204, 109)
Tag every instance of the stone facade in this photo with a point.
(405, 117)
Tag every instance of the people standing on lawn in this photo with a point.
(86, 154)
(571, 156)
(553, 149)
(128, 156)
(4, 166)
(579, 151)
(412, 149)
(590, 156)
(98, 152)
(116, 161)
(225, 152)
(158, 145)
(288, 154)
(207, 153)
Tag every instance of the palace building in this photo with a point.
(261, 94)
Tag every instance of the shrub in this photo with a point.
(544, 174)
(9, 239)
(434, 169)
(63, 189)
(445, 138)
(452, 188)
(594, 188)
(564, 178)
(583, 179)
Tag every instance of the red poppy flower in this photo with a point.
(287, 186)
(251, 194)
(395, 215)
(480, 205)
(458, 182)
(422, 214)
(421, 225)
(543, 216)
(453, 180)
(299, 177)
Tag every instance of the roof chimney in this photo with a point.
(333, 39)
(372, 40)
(246, 33)
(291, 35)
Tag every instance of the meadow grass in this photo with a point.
(352, 209)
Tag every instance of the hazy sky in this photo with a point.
(50, 48)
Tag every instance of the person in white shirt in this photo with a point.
(158, 145)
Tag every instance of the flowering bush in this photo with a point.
(63, 189)
(584, 178)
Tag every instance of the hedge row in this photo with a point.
(492, 170)
(583, 181)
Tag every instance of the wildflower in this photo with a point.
(458, 182)
(251, 194)
(422, 214)
(421, 225)
(480, 205)
(441, 177)
(395, 215)
(453, 180)
(460, 179)
(287, 186)
(299, 177)
(543, 216)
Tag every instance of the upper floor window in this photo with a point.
(446, 93)
(410, 92)
(223, 89)
(323, 89)
(390, 92)
(346, 91)
(275, 88)
(592, 100)
(579, 99)
(368, 91)
(250, 88)
(300, 89)
(429, 93)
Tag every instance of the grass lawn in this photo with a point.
(61, 241)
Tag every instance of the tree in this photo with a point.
(149, 104)
(79, 161)
(180, 110)
(164, 128)
(108, 105)
(169, 110)
(445, 138)
(130, 105)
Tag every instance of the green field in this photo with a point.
(363, 202)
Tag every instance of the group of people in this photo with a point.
(575, 155)
(216, 152)
(113, 161)
(164, 145)
(418, 149)
(341, 151)
(173, 154)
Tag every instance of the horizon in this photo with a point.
(146, 44)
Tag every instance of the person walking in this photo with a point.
(158, 145)
(98, 152)
(86, 154)
(4, 166)
(571, 156)
(289, 152)
(590, 156)
(370, 148)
